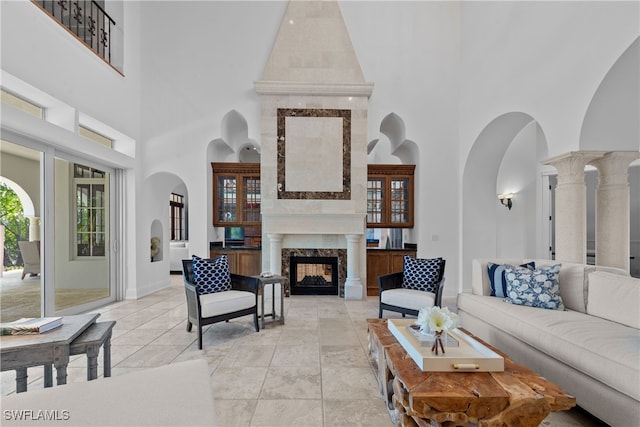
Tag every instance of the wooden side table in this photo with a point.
(273, 280)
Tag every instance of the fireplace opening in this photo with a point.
(313, 275)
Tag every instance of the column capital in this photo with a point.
(614, 166)
(570, 166)
(275, 237)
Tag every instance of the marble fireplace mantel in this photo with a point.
(313, 223)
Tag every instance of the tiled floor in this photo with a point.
(312, 371)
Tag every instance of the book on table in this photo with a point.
(30, 325)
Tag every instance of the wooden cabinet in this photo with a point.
(383, 261)
(241, 261)
(236, 194)
(390, 196)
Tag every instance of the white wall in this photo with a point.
(24, 172)
(448, 69)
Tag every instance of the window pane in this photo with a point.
(400, 200)
(375, 200)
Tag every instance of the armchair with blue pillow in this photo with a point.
(419, 285)
(215, 295)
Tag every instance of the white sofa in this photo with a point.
(591, 349)
(178, 394)
(178, 250)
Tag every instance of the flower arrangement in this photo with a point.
(436, 320)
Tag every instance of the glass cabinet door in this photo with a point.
(375, 200)
(226, 210)
(251, 200)
(236, 194)
(400, 201)
(390, 196)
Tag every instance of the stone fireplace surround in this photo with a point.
(314, 107)
(341, 254)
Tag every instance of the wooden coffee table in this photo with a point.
(515, 397)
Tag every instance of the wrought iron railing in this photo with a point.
(86, 20)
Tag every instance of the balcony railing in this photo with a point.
(86, 20)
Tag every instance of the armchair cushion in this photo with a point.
(421, 274)
(217, 303)
(408, 298)
(211, 275)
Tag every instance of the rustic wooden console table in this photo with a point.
(515, 397)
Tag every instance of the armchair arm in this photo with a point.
(193, 302)
(390, 281)
(245, 283)
(439, 289)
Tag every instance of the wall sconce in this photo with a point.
(505, 199)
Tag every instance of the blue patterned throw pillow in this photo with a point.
(421, 274)
(497, 279)
(211, 275)
(534, 288)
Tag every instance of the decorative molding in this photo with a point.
(320, 89)
(321, 223)
(345, 115)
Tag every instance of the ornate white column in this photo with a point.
(353, 286)
(34, 228)
(275, 253)
(571, 206)
(612, 209)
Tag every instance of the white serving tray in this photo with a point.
(468, 356)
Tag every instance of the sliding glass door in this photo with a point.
(21, 277)
(82, 256)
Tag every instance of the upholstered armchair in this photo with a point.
(206, 306)
(419, 285)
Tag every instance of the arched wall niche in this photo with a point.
(506, 157)
(611, 120)
(392, 147)
(234, 144)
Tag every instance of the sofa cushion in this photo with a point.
(573, 283)
(217, 303)
(497, 279)
(604, 350)
(480, 283)
(408, 298)
(614, 297)
(421, 274)
(534, 288)
(211, 275)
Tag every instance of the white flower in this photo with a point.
(436, 319)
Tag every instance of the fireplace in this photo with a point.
(313, 275)
(314, 262)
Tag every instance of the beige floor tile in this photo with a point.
(138, 337)
(234, 383)
(236, 413)
(151, 356)
(285, 413)
(276, 377)
(348, 413)
(343, 356)
(292, 383)
(303, 354)
(249, 355)
(349, 383)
